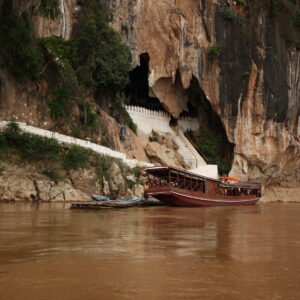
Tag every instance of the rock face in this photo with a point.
(138, 190)
(44, 27)
(24, 182)
(281, 194)
(16, 188)
(252, 84)
(116, 180)
(34, 187)
(239, 66)
(162, 155)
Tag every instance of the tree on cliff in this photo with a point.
(103, 61)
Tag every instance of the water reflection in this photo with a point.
(184, 252)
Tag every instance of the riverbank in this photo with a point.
(281, 194)
(23, 182)
(49, 251)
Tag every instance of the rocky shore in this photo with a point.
(27, 183)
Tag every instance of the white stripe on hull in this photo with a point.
(203, 199)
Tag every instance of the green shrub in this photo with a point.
(76, 158)
(228, 14)
(211, 147)
(61, 52)
(120, 113)
(274, 9)
(224, 166)
(59, 101)
(130, 183)
(94, 62)
(286, 13)
(241, 2)
(90, 117)
(103, 60)
(49, 8)
(136, 172)
(29, 146)
(102, 166)
(53, 175)
(13, 128)
(215, 51)
(58, 109)
(19, 50)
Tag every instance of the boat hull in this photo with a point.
(179, 197)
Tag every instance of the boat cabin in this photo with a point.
(171, 176)
(181, 179)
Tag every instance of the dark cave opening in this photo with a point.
(211, 129)
(191, 111)
(137, 90)
(212, 135)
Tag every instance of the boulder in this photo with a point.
(131, 178)
(138, 190)
(86, 180)
(106, 190)
(116, 181)
(63, 191)
(75, 195)
(162, 155)
(17, 188)
(164, 139)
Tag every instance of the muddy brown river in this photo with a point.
(51, 252)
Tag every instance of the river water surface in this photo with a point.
(51, 252)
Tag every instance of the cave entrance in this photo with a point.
(211, 140)
(173, 122)
(190, 112)
(137, 90)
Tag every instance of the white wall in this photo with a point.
(148, 120)
(68, 140)
(210, 171)
(188, 124)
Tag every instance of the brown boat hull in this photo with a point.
(179, 197)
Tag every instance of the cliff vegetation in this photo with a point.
(88, 70)
(65, 168)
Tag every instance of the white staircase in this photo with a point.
(69, 140)
(148, 120)
(191, 156)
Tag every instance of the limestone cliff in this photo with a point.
(218, 53)
(241, 64)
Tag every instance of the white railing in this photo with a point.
(199, 161)
(148, 120)
(184, 122)
(68, 140)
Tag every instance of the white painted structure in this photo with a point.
(188, 124)
(148, 120)
(188, 151)
(68, 140)
(210, 171)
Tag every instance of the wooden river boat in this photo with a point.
(177, 187)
